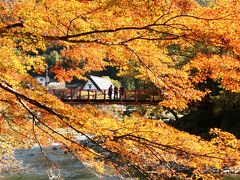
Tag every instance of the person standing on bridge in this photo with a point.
(115, 92)
(110, 90)
(121, 92)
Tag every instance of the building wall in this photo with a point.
(89, 86)
(41, 80)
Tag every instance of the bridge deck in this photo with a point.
(100, 101)
(78, 96)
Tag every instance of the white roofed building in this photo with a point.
(96, 83)
(50, 83)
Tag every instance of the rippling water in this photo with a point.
(70, 167)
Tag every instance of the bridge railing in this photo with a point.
(79, 94)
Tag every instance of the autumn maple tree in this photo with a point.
(100, 33)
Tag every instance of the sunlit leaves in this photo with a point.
(119, 32)
(222, 69)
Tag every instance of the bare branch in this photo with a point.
(196, 17)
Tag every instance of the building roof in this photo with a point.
(100, 82)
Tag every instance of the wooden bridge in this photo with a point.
(79, 96)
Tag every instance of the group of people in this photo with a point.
(115, 91)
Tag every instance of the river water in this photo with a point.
(38, 168)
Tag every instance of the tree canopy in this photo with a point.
(133, 36)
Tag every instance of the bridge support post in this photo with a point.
(95, 94)
(79, 94)
(136, 95)
(150, 95)
(71, 94)
(125, 95)
(104, 95)
(63, 93)
(88, 97)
